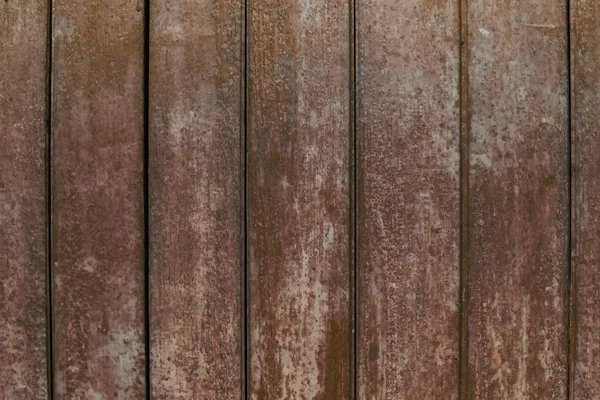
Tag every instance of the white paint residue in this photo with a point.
(302, 372)
(522, 382)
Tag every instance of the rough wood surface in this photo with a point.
(408, 197)
(299, 137)
(97, 200)
(518, 200)
(586, 201)
(196, 199)
(23, 199)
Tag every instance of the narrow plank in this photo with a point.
(299, 199)
(23, 199)
(408, 199)
(518, 199)
(196, 199)
(97, 200)
(585, 74)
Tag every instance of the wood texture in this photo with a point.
(288, 180)
(586, 201)
(23, 199)
(408, 197)
(97, 200)
(299, 198)
(196, 199)
(518, 200)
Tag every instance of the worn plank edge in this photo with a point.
(463, 368)
(244, 267)
(573, 191)
(48, 161)
(353, 203)
(146, 189)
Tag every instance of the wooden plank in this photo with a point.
(23, 199)
(408, 199)
(97, 200)
(196, 199)
(518, 200)
(585, 71)
(299, 213)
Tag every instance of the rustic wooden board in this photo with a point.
(23, 199)
(97, 200)
(196, 199)
(518, 200)
(408, 199)
(585, 73)
(299, 197)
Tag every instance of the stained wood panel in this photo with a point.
(441, 126)
(97, 200)
(408, 197)
(518, 200)
(585, 53)
(196, 199)
(299, 214)
(23, 199)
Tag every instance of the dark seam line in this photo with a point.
(354, 200)
(464, 202)
(572, 195)
(49, 323)
(146, 89)
(244, 159)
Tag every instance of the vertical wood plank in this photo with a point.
(518, 199)
(408, 197)
(196, 199)
(299, 222)
(97, 200)
(586, 201)
(23, 199)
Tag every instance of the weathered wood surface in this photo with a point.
(97, 200)
(585, 72)
(299, 214)
(518, 200)
(299, 154)
(196, 199)
(408, 197)
(23, 199)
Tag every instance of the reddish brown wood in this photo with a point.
(299, 198)
(585, 74)
(408, 196)
(97, 200)
(196, 199)
(23, 199)
(518, 200)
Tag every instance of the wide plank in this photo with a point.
(23, 199)
(585, 74)
(408, 199)
(299, 200)
(98, 200)
(196, 186)
(518, 199)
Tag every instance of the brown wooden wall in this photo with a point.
(299, 199)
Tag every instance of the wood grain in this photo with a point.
(408, 199)
(299, 199)
(196, 199)
(518, 200)
(23, 199)
(97, 200)
(585, 53)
